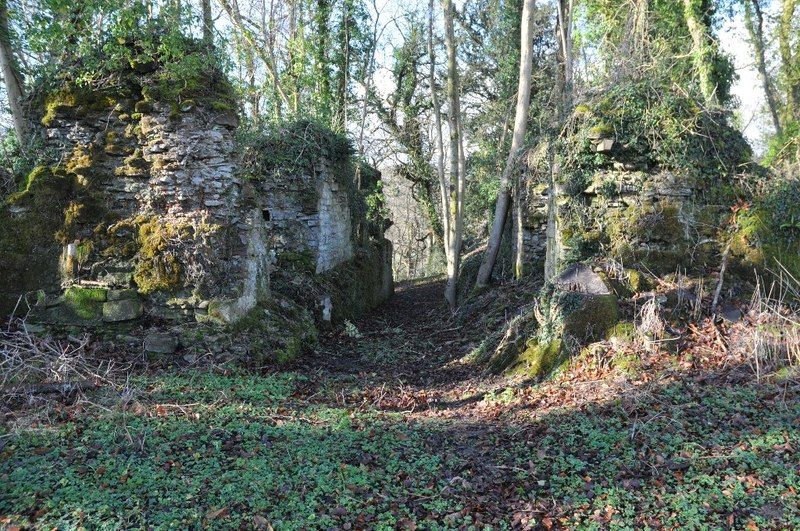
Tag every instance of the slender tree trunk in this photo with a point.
(456, 177)
(208, 23)
(519, 231)
(11, 76)
(293, 66)
(520, 127)
(321, 64)
(754, 21)
(790, 59)
(702, 48)
(437, 115)
(565, 46)
(343, 70)
(272, 72)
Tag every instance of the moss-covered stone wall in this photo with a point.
(134, 191)
(639, 177)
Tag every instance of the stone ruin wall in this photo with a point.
(177, 172)
(308, 212)
(639, 216)
(173, 173)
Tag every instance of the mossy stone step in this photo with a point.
(122, 310)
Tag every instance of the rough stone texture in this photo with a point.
(655, 219)
(149, 202)
(176, 231)
(122, 310)
(160, 343)
(581, 279)
(534, 198)
(335, 227)
(310, 213)
(166, 214)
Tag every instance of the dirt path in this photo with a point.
(411, 339)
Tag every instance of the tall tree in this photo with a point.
(322, 70)
(790, 58)
(437, 116)
(520, 128)
(344, 34)
(208, 23)
(11, 75)
(564, 12)
(457, 178)
(754, 21)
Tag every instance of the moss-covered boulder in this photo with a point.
(576, 308)
(767, 232)
(122, 310)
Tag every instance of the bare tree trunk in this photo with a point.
(367, 81)
(565, 45)
(790, 59)
(437, 114)
(272, 71)
(754, 20)
(519, 231)
(208, 23)
(456, 177)
(11, 77)
(520, 127)
(293, 61)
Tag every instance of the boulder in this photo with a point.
(122, 310)
(158, 343)
(575, 308)
(580, 305)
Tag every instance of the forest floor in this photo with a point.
(387, 427)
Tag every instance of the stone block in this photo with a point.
(159, 343)
(122, 294)
(122, 310)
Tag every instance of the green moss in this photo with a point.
(50, 209)
(118, 237)
(603, 130)
(74, 102)
(302, 261)
(223, 105)
(80, 160)
(627, 362)
(277, 332)
(585, 317)
(87, 303)
(112, 144)
(158, 268)
(652, 235)
(352, 285)
(538, 359)
(638, 281)
(40, 176)
(625, 331)
(142, 107)
(135, 160)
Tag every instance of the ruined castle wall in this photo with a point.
(334, 245)
(154, 203)
(147, 212)
(308, 212)
(639, 217)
